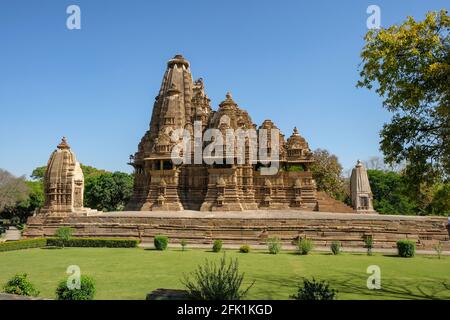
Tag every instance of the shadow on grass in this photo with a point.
(355, 284)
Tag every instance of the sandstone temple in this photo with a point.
(234, 199)
(232, 186)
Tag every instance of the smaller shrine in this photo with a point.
(64, 184)
(362, 199)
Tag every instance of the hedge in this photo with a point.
(93, 242)
(23, 244)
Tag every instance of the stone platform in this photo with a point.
(252, 227)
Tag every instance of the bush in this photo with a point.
(64, 234)
(314, 290)
(304, 246)
(406, 248)
(368, 243)
(161, 242)
(213, 281)
(274, 245)
(93, 243)
(244, 249)
(85, 292)
(20, 285)
(217, 245)
(438, 248)
(183, 245)
(23, 244)
(336, 247)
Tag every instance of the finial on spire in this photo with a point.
(228, 95)
(295, 131)
(358, 163)
(63, 144)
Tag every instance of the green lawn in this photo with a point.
(132, 273)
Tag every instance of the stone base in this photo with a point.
(253, 227)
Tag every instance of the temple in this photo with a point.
(232, 185)
(64, 184)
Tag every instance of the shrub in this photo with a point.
(86, 290)
(438, 248)
(161, 242)
(406, 248)
(94, 243)
(217, 245)
(244, 249)
(20, 285)
(304, 246)
(216, 281)
(336, 247)
(274, 245)
(314, 290)
(368, 243)
(64, 234)
(183, 245)
(23, 244)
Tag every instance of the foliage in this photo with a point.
(64, 233)
(23, 244)
(245, 249)
(440, 204)
(108, 191)
(304, 246)
(183, 244)
(217, 245)
(295, 168)
(410, 66)
(88, 171)
(12, 190)
(406, 248)
(85, 292)
(327, 172)
(274, 245)
(368, 242)
(438, 248)
(335, 247)
(161, 242)
(93, 242)
(213, 281)
(315, 290)
(20, 285)
(390, 193)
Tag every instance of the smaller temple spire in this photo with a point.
(228, 101)
(361, 194)
(63, 144)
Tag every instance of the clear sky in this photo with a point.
(295, 62)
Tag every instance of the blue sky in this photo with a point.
(294, 62)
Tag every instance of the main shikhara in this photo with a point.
(162, 185)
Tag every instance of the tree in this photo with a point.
(390, 193)
(108, 191)
(12, 190)
(410, 64)
(327, 172)
(39, 172)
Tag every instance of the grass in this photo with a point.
(123, 273)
